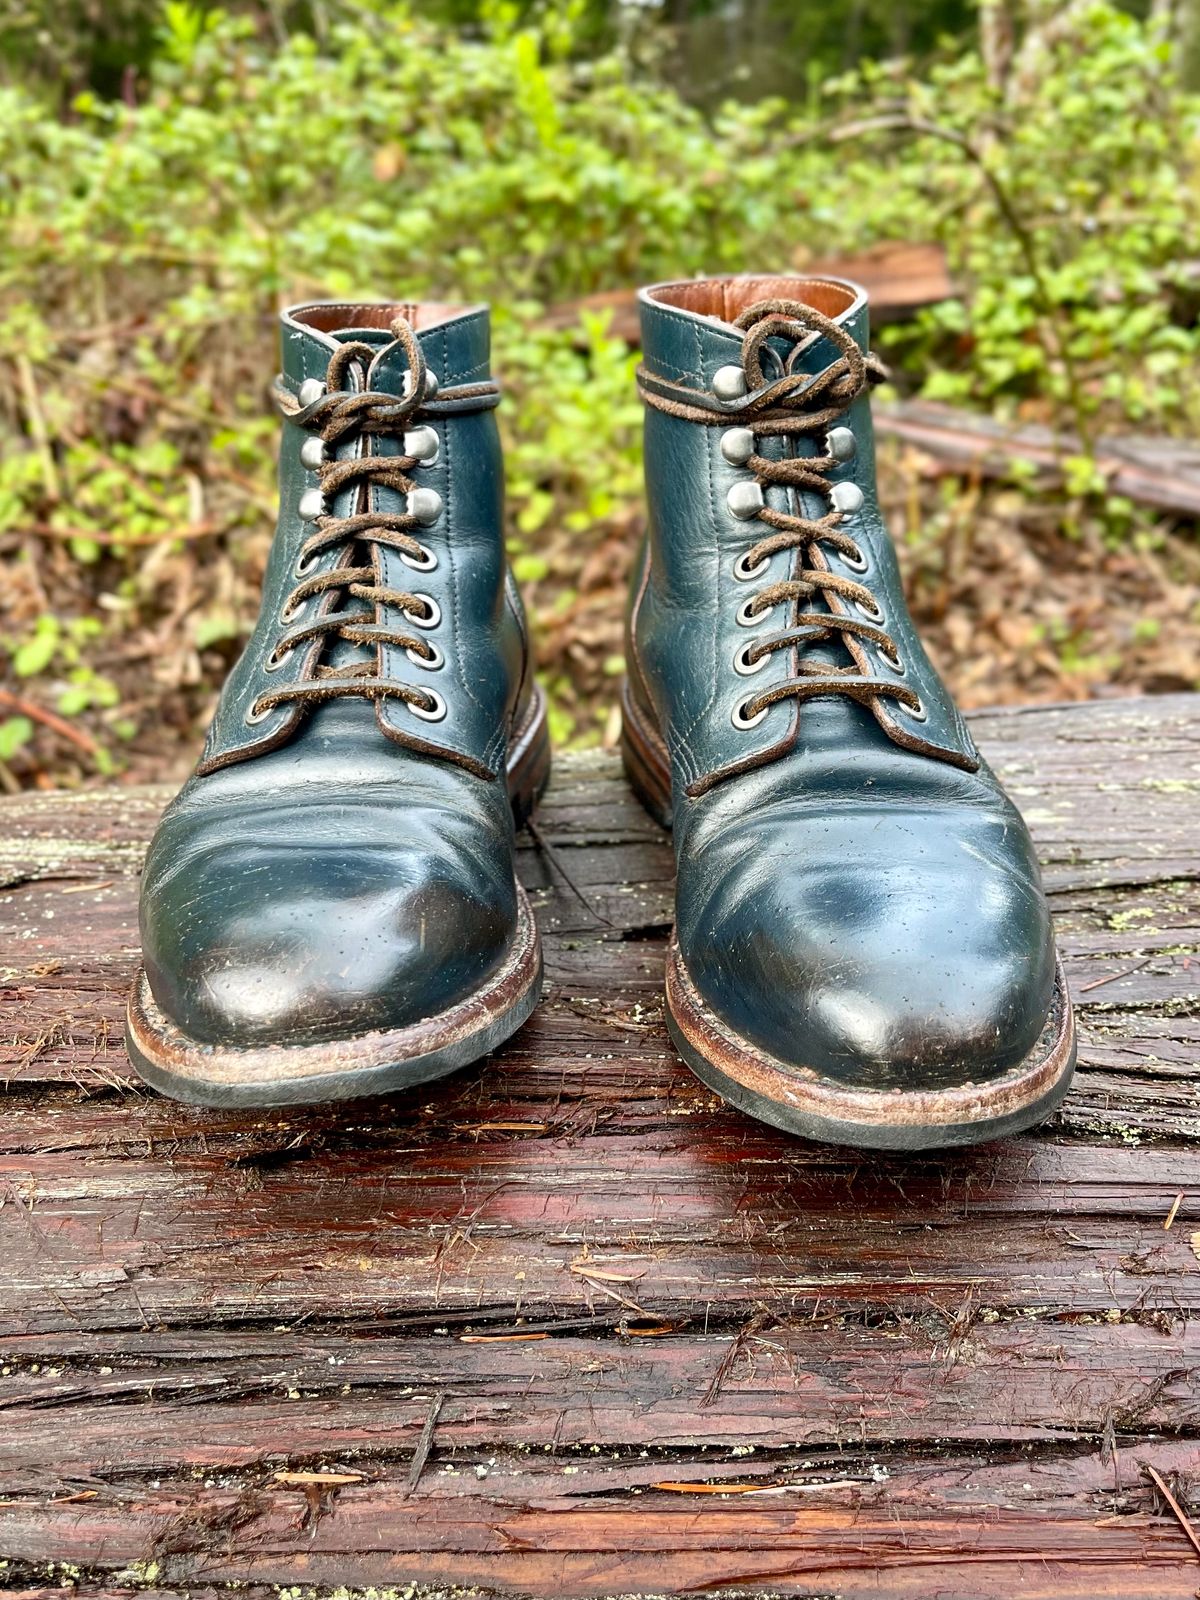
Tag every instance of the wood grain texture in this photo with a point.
(1151, 470)
(666, 1350)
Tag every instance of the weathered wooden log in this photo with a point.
(1148, 469)
(623, 1339)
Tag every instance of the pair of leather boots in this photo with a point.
(862, 950)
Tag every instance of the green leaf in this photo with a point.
(36, 654)
(211, 629)
(15, 733)
(530, 568)
(74, 700)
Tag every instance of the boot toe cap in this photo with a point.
(872, 971)
(288, 947)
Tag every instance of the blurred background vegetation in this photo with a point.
(171, 173)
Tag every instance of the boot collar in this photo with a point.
(688, 332)
(455, 339)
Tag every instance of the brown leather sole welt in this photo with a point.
(339, 1069)
(803, 1101)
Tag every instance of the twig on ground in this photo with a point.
(552, 856)
(197, 530)
(1181, 1515)
(756, 1325)
(424, 1443)
(48, 719)
(1098, 983)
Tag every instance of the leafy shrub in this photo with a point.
(146, 248)
(1066, 197)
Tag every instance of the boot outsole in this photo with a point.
(803, 1101)
(372, 1063)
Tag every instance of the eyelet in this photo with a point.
(744, 572)
(746, 499)
(746, 619)
(289, 613)
(743, 665)
(841, 444)
(275, 661)
(919, 714)
(255, 715)
(433, 663)
(738, 445)
(872, 612)
(846, 498)
(739, 718)
(423, 445)
(857, 563)
(427, 562)
(893, 663)
(433, 612)
(424, 506)
(313, 454)
(431, 385)
(433, 713)
(305, 564)
(312, 505)
(729, 384)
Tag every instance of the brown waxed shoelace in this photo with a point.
(797, 403)
(335, 417)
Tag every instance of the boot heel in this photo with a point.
(529, 764)
(645, 767)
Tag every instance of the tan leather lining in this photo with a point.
(727, 298)
(334, 318)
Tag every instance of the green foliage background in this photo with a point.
(152, 224)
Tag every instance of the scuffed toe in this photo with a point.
(292, 946)
(878, 957)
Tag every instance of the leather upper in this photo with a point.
(348, 867)
(481, 630)
(855, 892)
(694, 540)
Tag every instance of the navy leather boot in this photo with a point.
(862, 951)
(329, 906)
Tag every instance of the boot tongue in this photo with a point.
(344, 653)
(812, 354)
(374, 336)
(382, 375)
